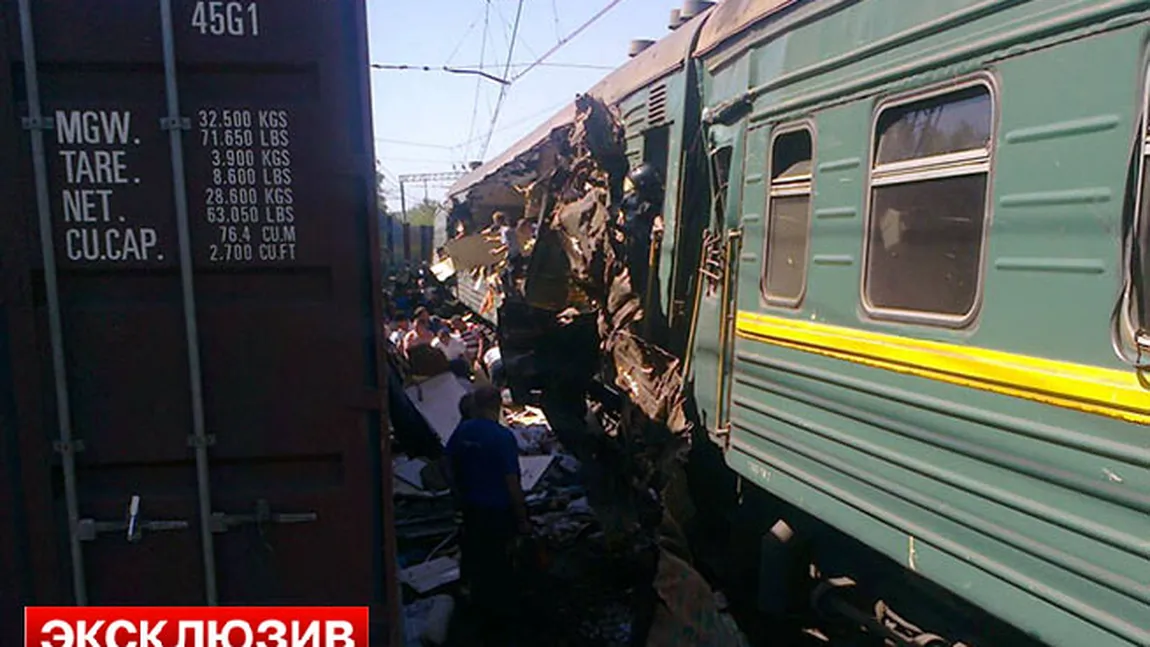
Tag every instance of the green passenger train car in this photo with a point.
(929, 203)
(913, 292)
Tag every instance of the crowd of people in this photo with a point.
(416, 316)
(481, 458)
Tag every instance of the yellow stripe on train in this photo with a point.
(1108, 392)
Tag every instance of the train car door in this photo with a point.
(730, 237)
(714, 308)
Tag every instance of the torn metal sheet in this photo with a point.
(409, 470)
(579, 253)
(431, 575)
(532, 470)
(443, 270)
(469, 252)
(438, 400)
(578, 325)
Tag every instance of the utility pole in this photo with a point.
(425, 178)
(449, 176)
(402, 201)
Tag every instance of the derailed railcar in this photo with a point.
(656, 98)
(191, 386)
(931, 211)
(900, 290)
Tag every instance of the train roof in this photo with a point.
(732, 17)
(658, 60)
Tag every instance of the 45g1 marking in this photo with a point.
(215, 18)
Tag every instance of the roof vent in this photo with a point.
(692, 8)
(637, 47)
(675, 21)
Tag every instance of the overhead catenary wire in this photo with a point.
(463, 38)
(555, 15)
(404, 142)
(419, 67)
(506, 72)
(566, 39)
(482, 58)
(506, 80)
(520, 121)
(444, 68)
(510, 30)
(429, 160)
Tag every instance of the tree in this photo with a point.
(423, 214)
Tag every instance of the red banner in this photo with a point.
(195, 627)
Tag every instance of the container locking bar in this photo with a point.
(36, 123)
(132, 525)
(222, 522)
(721, 436)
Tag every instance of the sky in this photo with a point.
(430, 122)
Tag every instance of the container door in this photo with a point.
(208, 428)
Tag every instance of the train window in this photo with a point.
(789, 217)
(928, 205)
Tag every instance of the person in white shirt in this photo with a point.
(507, 236)
(454, 350)
(449, 344)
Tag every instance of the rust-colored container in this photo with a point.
(191, 393)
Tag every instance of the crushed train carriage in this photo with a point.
(902, 285)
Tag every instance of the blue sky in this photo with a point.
(424, 120)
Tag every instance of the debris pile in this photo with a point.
(601, 458)
(586, 574)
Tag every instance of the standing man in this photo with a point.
(509, 241)
(484, 468)
(507, 236)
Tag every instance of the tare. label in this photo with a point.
(248, 198)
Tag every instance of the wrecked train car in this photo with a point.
(851, 258)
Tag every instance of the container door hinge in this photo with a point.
(74, 446)
(38, 123)
(263, 514)
(721, 436)
(175, 123)
(202, 441)
(132, 526)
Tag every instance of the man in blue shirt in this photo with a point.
(484, 468)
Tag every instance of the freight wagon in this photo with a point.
(904, 270)
(191, 387)
(404, 244)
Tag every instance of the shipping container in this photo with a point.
(191, 385)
